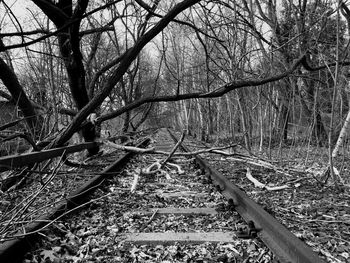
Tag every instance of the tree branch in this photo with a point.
(150, 11)
(3, 48)
(52, 11)
(120, 71)
(212, 94)
(27, 33)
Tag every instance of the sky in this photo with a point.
(19, 8)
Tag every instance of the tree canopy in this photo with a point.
(270, 65)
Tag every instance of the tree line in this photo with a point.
(265, 70)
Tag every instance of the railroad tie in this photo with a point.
(165, 238)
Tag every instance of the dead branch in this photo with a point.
(157, 167)
(135, 181)
(178, 167)
(152, 150)
(3, 239)
(260, 163)
(217, 150)
(150, 169)
(21, 211)
(128, 148)
(166, 174)
(24, 136)
(261, 185)
(175, 148)
(10, 124)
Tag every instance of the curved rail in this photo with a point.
(285, 245)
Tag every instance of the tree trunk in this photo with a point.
(126, 122)
(319, 135)
(243, 110)
(201, 127)
(283, 122)
(218, 117)
(69, 45)
(261, 127)
(76, 76)
(341, 136)
(145, 114)
(20, 98)
(122, 67)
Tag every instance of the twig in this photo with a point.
(24, 136)
(167, 175)
(10, 124)
(54, 220)
(179, 170)
(135, 181)
(20, 212)
(149, 220)
(153, 215)
(149, 170)
(247, 159)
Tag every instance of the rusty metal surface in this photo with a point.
(19, 160)
(285, 245)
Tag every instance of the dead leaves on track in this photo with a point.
(91, 235)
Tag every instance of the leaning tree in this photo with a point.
(138, 22)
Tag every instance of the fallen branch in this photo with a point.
(167, 175)
(261, 185)
(149, 220)
(153, 151)
(128, 148)
(260, 163)
(178, 168)
(217, 150)
(153, 215)
(19, 213)
(174, 149)
(150, 169)
(135, 181)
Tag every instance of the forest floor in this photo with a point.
(317, 213)
(310, 206)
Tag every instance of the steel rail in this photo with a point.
(284, 244)
(14, 250)
(20, 160)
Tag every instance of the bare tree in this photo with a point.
(100, 46)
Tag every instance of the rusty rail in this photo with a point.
(14, 250)
(285, 245)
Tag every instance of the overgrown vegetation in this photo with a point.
(270, 73)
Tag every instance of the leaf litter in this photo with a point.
(92, 235)
(317, 214)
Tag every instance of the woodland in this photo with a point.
(263, 84)
(265, 74)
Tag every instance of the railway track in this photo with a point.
(286, 246)
(171, 216)
(13, 246)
